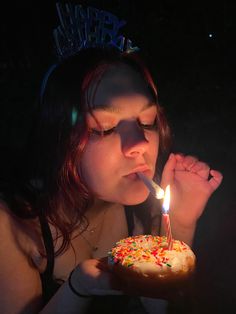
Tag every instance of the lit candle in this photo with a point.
(166, 218)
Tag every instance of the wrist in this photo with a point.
(185, 220)
(184, 233)
(180, 231)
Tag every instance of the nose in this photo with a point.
(133, 141)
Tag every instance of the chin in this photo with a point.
(135, 199)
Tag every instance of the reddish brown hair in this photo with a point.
(57, 145)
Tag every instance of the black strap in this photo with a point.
(49, 247)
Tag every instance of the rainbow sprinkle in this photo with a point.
(141, 248)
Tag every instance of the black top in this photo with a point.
(49, 284)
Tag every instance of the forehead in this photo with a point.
(116, 81)
(120, 104)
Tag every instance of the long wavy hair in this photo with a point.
(60, 134)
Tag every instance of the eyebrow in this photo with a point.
(111, 109)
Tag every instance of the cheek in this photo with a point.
(154, 144)
(88, 164)
(96, 162)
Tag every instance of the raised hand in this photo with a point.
(192, 182)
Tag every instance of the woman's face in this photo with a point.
(129, 144)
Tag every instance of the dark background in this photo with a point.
(190, 46)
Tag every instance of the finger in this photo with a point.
(185, 162)
(168, 171)
(189, 162)
(179, 157)
(103, 259)
(216, 179)
(202, 169)
(179, 166)
(103, 264)
(108, 277)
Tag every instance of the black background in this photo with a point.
(196, 82)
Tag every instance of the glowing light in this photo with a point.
(74, 116)
(154, 188)
(166, 202)
(160, 194)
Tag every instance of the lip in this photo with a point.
(141, 168)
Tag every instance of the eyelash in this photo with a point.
(103, 132)
(151, 127)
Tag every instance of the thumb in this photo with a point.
(168, 171)
(216, 179)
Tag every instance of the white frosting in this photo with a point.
(149, 255)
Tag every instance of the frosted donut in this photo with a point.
(148, 256)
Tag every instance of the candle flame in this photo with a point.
(166, 202)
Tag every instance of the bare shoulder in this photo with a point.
(24, 233)
(19, 278)
(16, 227)
(9, 228)
(6, 220)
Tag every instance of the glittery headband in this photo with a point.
(88, 27)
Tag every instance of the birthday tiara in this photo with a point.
(82, 28)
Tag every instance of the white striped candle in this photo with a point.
(166, 217)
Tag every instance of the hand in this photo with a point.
(94, 277)
(190, 186)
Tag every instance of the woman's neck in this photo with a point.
(97, 208)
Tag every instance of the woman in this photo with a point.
(98, 123)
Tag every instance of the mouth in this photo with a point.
(142, 168)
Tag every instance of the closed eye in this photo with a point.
(107, 132)
(145, 126)
(102, 132)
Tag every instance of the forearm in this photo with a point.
(65, 301)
